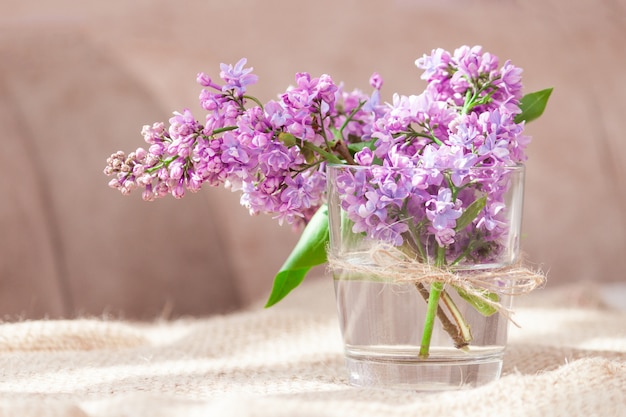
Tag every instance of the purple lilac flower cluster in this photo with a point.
(423, 150)
(435, 154)
(273, 153)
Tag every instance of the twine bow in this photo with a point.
(390, 264)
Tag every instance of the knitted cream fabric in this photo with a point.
(565, 360)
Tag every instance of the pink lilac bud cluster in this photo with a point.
(436, 153)
(273, 153)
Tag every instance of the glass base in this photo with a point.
(423, 375)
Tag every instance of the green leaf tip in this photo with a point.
(533, 105)
(310, 251)
(284, 282)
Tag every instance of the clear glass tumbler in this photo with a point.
(385, 273)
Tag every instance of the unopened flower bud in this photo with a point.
(138, 170)
(144, 180)
(157, 149)
(176, 171)
(203, 79)
(179, 190)
(163, 174)
(151, 160)
(376, 81)
(140, 153)
(161, 190)
(148, 194)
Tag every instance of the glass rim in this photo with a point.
(508, 168)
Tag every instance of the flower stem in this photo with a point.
(330, 157)
(464, 335)
(341, 148)
(436, 288)
(431, 311)
(222, 130)
(256, 100)
(457, 335)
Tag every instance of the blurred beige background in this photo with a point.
(78, 79)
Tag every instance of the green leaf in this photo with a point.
(358, 146)
(533, 105)
(308, 252)
(470, 213)
(478, 302)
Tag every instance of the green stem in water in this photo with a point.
(457, 336)
(431, 312)
(436, 288)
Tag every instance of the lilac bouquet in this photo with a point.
(471, 115)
